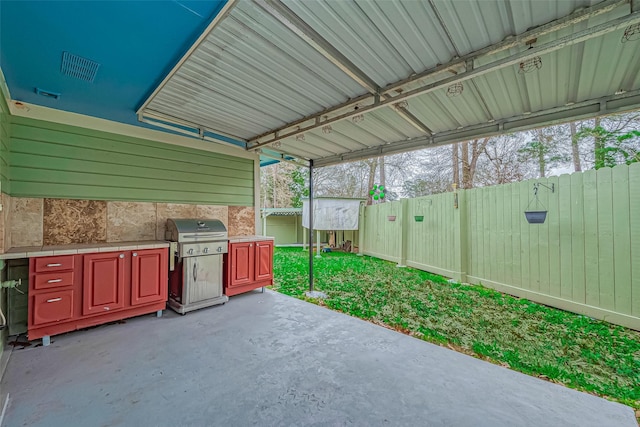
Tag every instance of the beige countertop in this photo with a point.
(240, 239)
(81, 248)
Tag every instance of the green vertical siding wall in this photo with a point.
(284, 228)
(60, 161)
(584, 258)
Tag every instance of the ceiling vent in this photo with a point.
(79, 67)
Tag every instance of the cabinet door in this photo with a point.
(103, 283)
(242, 264)
(149, 272)
(52, 307)
(264, 260)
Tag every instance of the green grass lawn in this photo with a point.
(562, 347)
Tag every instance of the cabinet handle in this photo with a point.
(135, 254)
(54, 265)
(106, 308)
(257, 245)
(121, 255)
(195, 272)
(54, 281)
(54, 300)
(250, 245)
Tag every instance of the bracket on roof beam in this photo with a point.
(469, 64)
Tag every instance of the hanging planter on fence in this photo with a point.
(419, 218)
(391, 217)
(537, 216)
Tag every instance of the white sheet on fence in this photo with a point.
(332, 214)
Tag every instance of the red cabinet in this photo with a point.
(148, 276)
(241, 257)
(248, 265)
(264, 261)
(53, 307)
(77, 291)
(103, 283)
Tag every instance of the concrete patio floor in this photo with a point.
(268, 359)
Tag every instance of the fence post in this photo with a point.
(361, 230)
(463, 235)
(404, 231)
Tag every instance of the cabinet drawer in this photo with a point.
(52, 307)
(54, 263)
(53, 280)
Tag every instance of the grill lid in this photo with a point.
(189, 230)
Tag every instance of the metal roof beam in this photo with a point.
(292, 21)
(373, 103)
(285, 158)
(579, 111)
(339, 112)
(303, 30)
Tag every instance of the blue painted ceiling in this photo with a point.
(136, 44)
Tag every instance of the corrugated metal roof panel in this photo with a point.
(253, 75)
(385, 39)
(259, 71)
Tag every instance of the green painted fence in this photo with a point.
(585, 257)
(60, 161)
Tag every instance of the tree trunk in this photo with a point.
(574, 148)
(275, 184)
(541, 161)
(466, 168)
(456, 165)
(469, 164)
(372, 178)
(477, 150)
(598, 146)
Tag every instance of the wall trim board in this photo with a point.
(256, 193)
(575, 307)
(47, 114)
(4, 89)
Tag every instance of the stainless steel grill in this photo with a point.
(197, 247)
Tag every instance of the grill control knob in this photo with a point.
(190, 252)
(205, 250)
(219, 249)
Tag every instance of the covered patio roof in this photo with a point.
(330, 82)
(325, 81)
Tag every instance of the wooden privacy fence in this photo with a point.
(584, 258)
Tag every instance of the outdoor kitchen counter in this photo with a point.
(240, 239)
(82, 248)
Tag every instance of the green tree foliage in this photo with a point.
(298, 186)
(544, 149)
(613, 147)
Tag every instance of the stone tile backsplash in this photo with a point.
(241, 221)
(26, 222)
(131, 221)
(37, 222)
(68, 221)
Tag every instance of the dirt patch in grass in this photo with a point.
(556, 345)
